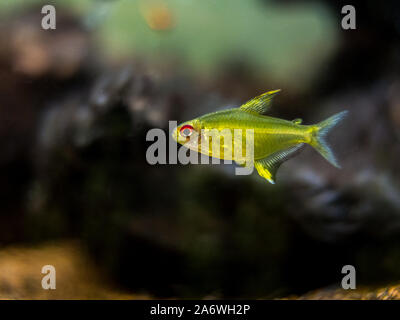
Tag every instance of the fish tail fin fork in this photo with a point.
(323, 128)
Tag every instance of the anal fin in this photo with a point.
(268, 166)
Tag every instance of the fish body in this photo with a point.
(273, 140)
(270, 134)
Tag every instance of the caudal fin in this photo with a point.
(318, 140)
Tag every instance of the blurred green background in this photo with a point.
(285, 43)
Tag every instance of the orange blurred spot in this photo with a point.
(158, 16)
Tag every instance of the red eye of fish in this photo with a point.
(186, 130)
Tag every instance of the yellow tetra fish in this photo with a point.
(274, 140)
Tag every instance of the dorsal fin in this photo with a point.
(268, 166)
(261, 103)
(297, 121)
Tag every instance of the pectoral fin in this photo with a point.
(260, 104)
(268, 166)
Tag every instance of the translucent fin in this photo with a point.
(261, 103)
(297, 121)
(319, 142)
(268, 166)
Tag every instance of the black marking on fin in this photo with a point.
(268, 166)
(261, 103)
(240, 163)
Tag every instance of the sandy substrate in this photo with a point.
(76, 276)
(79, 278)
